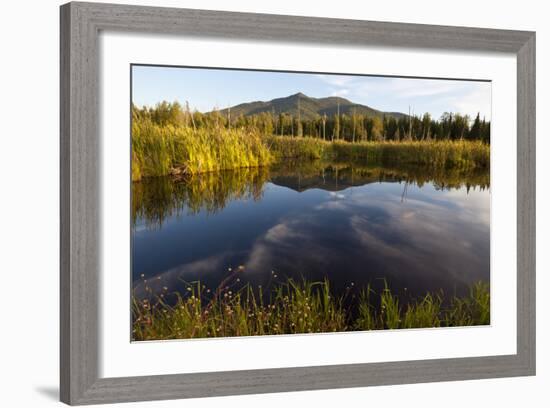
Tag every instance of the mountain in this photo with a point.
(310, 108)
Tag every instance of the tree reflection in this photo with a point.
(154, 199)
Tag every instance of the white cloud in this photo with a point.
(280, 232)
(341, 92)
(336, 80)
(423, 95)
(478, 100)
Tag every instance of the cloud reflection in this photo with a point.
(422, 238)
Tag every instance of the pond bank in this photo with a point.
(292, 307)
(163, 150)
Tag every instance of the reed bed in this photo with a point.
(436, 154)
(159, 150)
(293, 307)
(170, 149)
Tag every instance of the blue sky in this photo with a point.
(206, 89)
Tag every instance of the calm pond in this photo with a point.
(417, 230)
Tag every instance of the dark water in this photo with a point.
(416, 229)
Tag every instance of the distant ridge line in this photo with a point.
(310, 107)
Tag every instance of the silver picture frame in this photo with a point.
(81, 24)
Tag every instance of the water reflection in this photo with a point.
(157, 198)
(419, 230)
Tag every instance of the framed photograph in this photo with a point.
(261, 203)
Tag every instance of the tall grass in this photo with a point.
(435, 154)
(298, 307)
(159, 150)
(162, 150)
(287, 147)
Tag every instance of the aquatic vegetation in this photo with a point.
(291, 307)
(177, 149)
(173, 149)
(474, 308)
(462, 154)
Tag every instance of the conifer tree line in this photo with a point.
(350, 126)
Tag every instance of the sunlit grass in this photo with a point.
(163, 150)
(159, 150)
(435, 154)
(292, 307)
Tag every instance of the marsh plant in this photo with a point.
(292, 306)
(176, 149)
(168, 140)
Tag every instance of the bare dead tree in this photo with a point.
(190, 114)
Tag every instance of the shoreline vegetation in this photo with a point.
(170, 140)
(293, 307)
